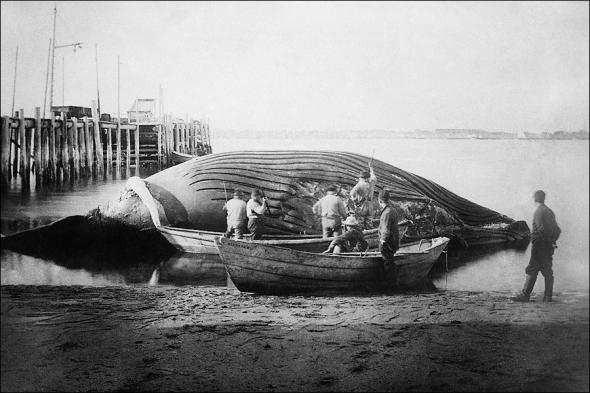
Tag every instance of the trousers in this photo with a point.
(256, 228)
(541, 259)
(331, 227)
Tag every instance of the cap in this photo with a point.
(256, 192)
(364, 174)
(238, 193)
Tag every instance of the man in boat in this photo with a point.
(361, 198)
(544, 237)
(255, 209)
(352, 240)
(331, 209)
(236, 215)
(388, 228)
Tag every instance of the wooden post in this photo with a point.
(109, 150)
(88, 145)
(175, 127)
(5, 152)
(52, 150)
(200, 134)
(97, 141)
(59, 142)
(170, 128)
(181, 137)
(45, 151)
(74, 149)
(21, 127)
(118, 145)
(82, 148)
(60, 139)
(137, 146)
(128, 155)
(67, 149)
(189, 142)
(159, 145)
(37, 146)
(16, 144)
(27, 153)
(193, 138)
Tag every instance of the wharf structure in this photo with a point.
(75, 142)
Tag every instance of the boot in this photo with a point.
(548, 289)
(525, 294)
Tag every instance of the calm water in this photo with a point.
(501, 175)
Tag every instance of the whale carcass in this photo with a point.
(192, 194)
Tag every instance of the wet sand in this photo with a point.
(165, 338)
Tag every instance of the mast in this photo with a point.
(119, 89)
(52, 57)
(55, 46)
(63, 80)
(46, 78)
(14, 85)
(97, 90)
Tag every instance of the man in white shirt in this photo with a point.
(332, 211)
(255, 209)
(236, 215)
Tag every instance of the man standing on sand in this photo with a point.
(388, 229)
(544, 235)
(331, 209)
(361, 197)
(255, 210)
(236, 215)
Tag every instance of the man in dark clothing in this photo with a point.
(352, 240)
(388, 229)
(544, 235)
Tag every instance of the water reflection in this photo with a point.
(193, 269)
(98, 270)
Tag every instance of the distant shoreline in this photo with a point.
(294, 134)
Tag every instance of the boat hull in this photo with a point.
(254, 267)
(203, 242)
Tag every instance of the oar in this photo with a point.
(225, 191)
(371, 162)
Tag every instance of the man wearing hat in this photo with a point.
(361, 197)
(332, 210)
(255, 211)
(388, 229)
(351, 240)
(236, 215)
(544, 235)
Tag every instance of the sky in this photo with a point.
(326, 66)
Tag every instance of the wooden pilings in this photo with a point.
(66, 149)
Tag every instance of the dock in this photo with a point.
(65, 148)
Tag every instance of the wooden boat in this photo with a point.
(256, 267)
(177, 157)
(203, 242)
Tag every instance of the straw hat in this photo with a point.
(351, 221)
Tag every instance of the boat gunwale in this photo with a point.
(435, 242)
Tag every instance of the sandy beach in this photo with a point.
(165, 338)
